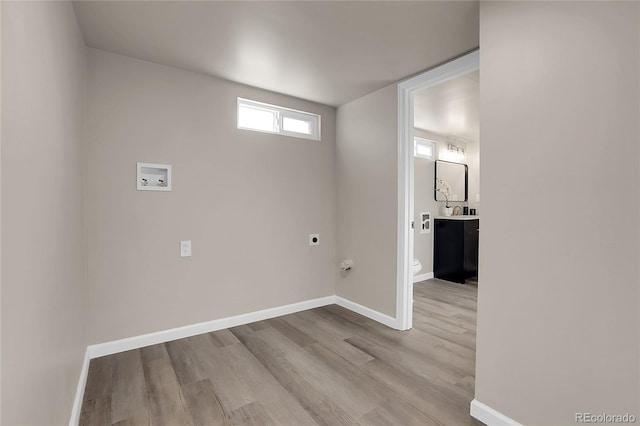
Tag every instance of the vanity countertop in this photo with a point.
(460, 217)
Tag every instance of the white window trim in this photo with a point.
(314, 120)
(422, 141)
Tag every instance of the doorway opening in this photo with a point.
(440, 136)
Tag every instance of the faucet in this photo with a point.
(457, 210)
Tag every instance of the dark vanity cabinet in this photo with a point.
(455, 256)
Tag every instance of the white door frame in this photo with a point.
(406, 89)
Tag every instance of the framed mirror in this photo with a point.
(451, 181)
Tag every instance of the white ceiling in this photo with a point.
(450, 108)
(328, 52)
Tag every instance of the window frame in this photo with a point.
(280, 113)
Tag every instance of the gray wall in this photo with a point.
(423, 201)
(43, 240)
(367, 162)
(1, 7)
(559, 283)
(472, 158)
(247, 200)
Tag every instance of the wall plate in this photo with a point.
(153, 177)
(185, 248)
(425, 223)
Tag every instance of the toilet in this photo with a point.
(417, 266)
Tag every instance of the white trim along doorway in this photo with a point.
(406, 89)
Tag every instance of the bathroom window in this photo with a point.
(424, 148)
(261, 117)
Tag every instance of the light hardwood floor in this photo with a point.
(326, 366)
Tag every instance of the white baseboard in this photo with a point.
(367, 312)
(422, 277)
(489, 416)
(122, 345)
(82, 382)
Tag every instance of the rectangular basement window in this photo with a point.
(267, 118)
(424, 148)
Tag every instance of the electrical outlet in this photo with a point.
(185, 248)
(314, 239)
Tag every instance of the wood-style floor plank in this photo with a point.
(99, 378)
(141, 418)
(185, 363)
(166, 402)
(222, 338)
(96, 411)
(325, 366)
(319, 405)
(340, 346)
(203, 404)
(231, 390)
(344, 393)
(129, 395)
(96, 405)
(275, 399)
(252, 414)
